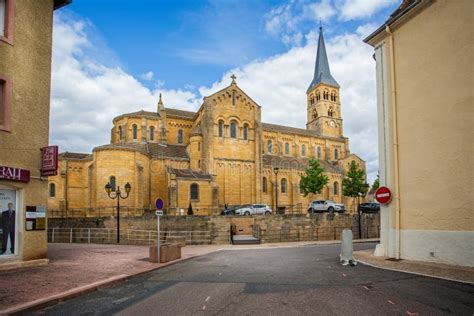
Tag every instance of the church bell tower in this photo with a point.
(324, 107)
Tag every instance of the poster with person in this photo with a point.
(7, 221)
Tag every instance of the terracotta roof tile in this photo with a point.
(69, 155)
(180, 113)
(190, 174)
(271, 161)
(167, 151)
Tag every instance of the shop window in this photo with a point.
(233, 129)
(246, 131)
(287, 149)
(283, 185)
(52, 190)
(221, 128)
(9, 222)
(180, 136)
(336, 188)
(194, 191)
(152, 133)
(264, 185)
(134, 131)
(113, 183)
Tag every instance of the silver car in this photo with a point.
(254, 209)
(325, 206)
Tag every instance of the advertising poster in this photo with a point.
(8, 221)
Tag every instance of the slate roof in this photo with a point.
(190, 174)
(74, 156)
(140, 113)
(271, 161)
(180, 113)
(322, 73)
(153, 150)
(294, 130)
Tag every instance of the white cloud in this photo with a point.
(357, 9)
(87, 95)
(148, 76)
(287, 20)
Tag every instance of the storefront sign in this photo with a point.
(35, 218)
(49, 161)
(14, 174)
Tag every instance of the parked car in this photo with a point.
(254, 209)
(370, 207)
(229, 211)
(320, 206)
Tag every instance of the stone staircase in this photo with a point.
(246, 240)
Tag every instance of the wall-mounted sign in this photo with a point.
(159, 204)
(35, 218)
(14, 174)
(383, 195)
(49, 161)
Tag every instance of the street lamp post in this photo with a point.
(117, 195)
(275, 170)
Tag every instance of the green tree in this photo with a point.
(375, 185)
(353, 184)
(314, 179)
(190, 209)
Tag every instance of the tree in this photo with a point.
(354, 185)
(190, 209)
(314, 179)
(375, 185)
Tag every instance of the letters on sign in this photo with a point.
(49, 161)
(14, 174)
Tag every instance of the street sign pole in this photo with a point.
(158, 242)
(158, 213)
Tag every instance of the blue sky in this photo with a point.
(112, 57)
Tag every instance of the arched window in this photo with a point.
(287, 149)
(303, 150)
(233, 97)
(311, 99)
(326, 95)
(221, 128)
(336, 188)
(112, 183)
(233, 129)
(301, 189)
(152, 133)
(315, 114)
(330, 112)
(52, 190)
(336, 154)
(283, 185)
(120, 131)
(246, 131)
(134, 131)
(270, 146)
(318, 96)
(333, 96)
(264, 185)
(194, 190)
(318, 152)
(180, 136)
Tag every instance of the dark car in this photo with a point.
(370, 207)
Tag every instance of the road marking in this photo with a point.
(204, 307)
(365, 287)
(412, 314)
(344, 274)
(220, 273)
(208, 298)
(391, 302)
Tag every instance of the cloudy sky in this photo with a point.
(110, 58)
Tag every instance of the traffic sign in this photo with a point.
(383, 195)
(159, 204)
(159, 213)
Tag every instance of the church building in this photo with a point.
(221, 154)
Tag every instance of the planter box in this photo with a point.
(168, 252)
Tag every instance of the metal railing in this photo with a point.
(129, 236)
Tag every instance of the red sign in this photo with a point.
(383, 195)
(49, 161)
(14, 174)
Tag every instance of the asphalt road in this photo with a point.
(286, 281)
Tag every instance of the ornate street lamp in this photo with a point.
(117, 195)
(275, 170)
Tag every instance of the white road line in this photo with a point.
(208, 298)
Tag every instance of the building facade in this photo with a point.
(25, 27)
(221, 154)
(425, 96)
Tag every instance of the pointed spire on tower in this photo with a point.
(161, 106)
(322, 73)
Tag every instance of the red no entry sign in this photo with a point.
(383, 195)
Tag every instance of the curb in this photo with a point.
(85, 289)
(415, 273)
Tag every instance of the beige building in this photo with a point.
(221, 154)
(25, 75)
(425, 96)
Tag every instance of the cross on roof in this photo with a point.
(233, 77)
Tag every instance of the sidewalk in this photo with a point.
(436, 270)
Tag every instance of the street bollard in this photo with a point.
(346, 257)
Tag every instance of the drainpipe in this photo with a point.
(395, 144)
